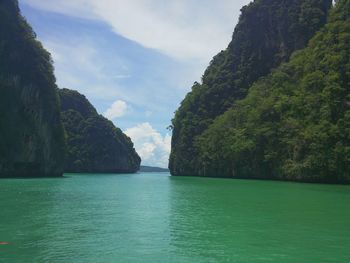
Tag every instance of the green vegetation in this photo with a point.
(31, 134)
(294, 124)
(266, 35)
(94, 143)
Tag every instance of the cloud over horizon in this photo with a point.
(153, 148)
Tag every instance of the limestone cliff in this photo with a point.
(31, 134)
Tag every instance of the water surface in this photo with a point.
(158, 218)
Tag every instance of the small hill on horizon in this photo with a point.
(152, 169)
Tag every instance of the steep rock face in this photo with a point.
(95, 145)
(31, 134)
(266, 35)
(295, 123)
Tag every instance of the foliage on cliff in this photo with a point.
(94, 143)
(295, 123)
(268, 32)
(31, 134)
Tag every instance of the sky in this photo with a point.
(135, 60)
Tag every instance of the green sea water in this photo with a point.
(158, 218)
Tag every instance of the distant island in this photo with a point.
(151, 169)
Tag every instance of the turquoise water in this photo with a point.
(158, 218)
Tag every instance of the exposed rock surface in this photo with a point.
(31, 133)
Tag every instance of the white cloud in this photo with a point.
(183, 29)
(153, 148)
(190, 30)
(118, 109)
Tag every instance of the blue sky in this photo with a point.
(134, 60)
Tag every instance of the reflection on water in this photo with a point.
(157, 218)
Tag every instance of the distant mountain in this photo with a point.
(151, 169)
(95, 145)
